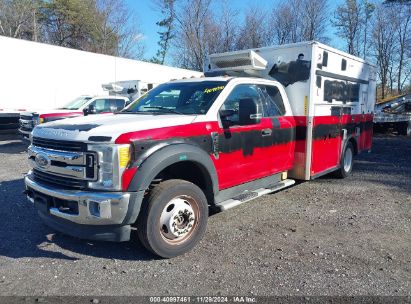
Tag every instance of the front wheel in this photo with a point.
(174, 218)
(346, 162)
(404, 128)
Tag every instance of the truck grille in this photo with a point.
(61, 145)
(26, 117)
(59, 181)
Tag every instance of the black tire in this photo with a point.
(152, 232)
(344, 170)
(404, 128)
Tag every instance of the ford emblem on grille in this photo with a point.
(42, 160)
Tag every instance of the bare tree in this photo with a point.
(228, 25)
(194, 24)
(18, 19)
(298, 20)
(253, 34)
(282, 28)
(315, 19)
(368, 9)
(115, 31)
(384, 45)
(404, 42)
(347, 20)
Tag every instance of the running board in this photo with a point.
(247, 196)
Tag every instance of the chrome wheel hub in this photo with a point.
(347, 160)
(177, 219)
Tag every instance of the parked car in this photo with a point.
(81, 106)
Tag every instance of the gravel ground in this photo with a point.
(323, 237)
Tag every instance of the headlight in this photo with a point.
(37, 120)
(112, 161)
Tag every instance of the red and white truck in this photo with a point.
(277, 114)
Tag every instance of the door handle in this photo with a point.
(266, 132)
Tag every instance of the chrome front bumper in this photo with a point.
(24, 132)
(94, 208)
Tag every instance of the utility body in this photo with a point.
(296, 111)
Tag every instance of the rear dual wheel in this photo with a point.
(174, 218)
(346, 161)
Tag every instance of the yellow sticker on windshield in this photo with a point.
(213, 89)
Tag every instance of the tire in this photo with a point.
(346, 161)
(163, 225)
(404, 128)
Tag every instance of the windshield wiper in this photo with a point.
(165, 108)
(133, 112)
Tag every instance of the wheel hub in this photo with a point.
(177, 219)
(348, 160)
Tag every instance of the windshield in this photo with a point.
(178, 98)
(76, 103)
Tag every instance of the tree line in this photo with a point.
(189, 30)
(375, 31)
(100, 26)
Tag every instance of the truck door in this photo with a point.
(245, 138)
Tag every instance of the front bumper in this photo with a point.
(83, 214)
(25, 133)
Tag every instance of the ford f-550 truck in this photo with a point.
(296, 111)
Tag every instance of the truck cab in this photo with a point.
(194, 144)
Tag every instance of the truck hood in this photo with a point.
(81, 128)
(51, 111)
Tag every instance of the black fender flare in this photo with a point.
(348, 139)
(161, 157)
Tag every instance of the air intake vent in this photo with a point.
(59, 144)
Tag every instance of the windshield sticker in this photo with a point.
(212, 90)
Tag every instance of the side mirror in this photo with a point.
(224, 115)
(227, 113)
(89, 110)
(249, 112)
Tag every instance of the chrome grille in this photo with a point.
(26, 124)
(26, 117)
(64, 168)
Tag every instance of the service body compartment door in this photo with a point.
(326, 143)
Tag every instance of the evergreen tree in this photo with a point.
(166, 35)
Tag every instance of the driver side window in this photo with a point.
(101, 105)
(231, 110)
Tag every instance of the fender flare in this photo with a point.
(161, 158)
(345, 142)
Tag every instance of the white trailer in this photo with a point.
(37, 76)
